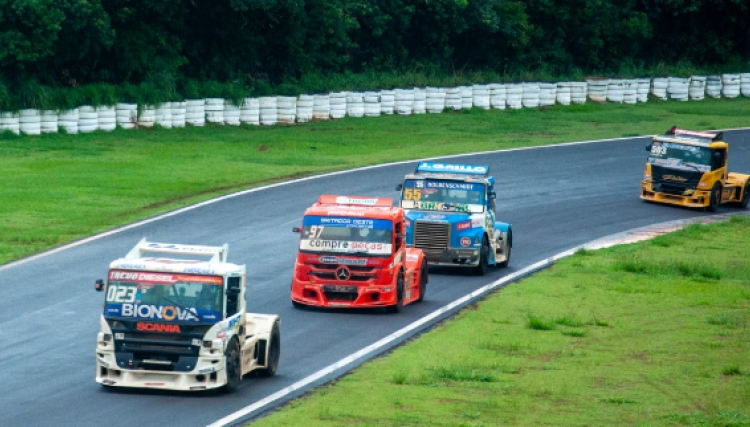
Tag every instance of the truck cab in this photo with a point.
(689, 168)
(352, 254)
(450, 216)
(175, 318)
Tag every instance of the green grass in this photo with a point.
(675, 353)
(59, 188)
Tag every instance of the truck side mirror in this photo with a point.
(296, 229)
(99, 285)
(399, 187)
(492, 195)
(648, 148)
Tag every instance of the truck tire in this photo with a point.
(233, 368)
(509, 242)
(274, 352)
(745, 196)
(481, 268)
(713, 204)
(396, 308)
(423, 279)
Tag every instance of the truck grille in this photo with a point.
(432, 237)
(674, 181)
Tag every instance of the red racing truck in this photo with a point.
(353, 254)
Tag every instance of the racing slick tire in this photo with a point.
(423, 279)
(509, 242)
(483, 266)
(713, 204)
(233, 368)
(274, 352)
(396, 308)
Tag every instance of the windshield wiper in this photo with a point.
(693, 166)
(188, 309)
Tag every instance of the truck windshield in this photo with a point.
(443, 195)
(345, 235)
(164, 296)
(680, 156)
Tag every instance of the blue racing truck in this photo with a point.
(450, 216)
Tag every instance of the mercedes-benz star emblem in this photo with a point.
(342, 273)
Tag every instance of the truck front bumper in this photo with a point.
(699, 199)
(453, 257)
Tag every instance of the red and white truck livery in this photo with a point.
(353, 254)
(175, 322)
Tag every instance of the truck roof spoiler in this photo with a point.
(328, 199)
(452, 168)
(713, 136)
(217, 253)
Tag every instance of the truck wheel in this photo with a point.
(396, 308)
(481, 268)
(713, 204)
(274, 352)
(745, 196)
(233, 368)
(423, 279)
(508, 241)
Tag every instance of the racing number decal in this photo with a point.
(658, 150)
(315, 231)
(121, 293)
(412, 194)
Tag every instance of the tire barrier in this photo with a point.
(270, 110)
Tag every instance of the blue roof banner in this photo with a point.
(453, 168)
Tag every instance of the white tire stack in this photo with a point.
(250, 111)
(597, 89)
(745, 84)
(514, 96)
(387, 101)
(578, 91)
(730, 85)
(9, 122)
(530, 95)
(231, 113)
(106, 116)
(29, 122)
(404, 101)
(126, 115)
(163, 115)
(321, 107)
(467, 97)
(355, 104)
(713, 86)
(547, 94)
(268, 112)
(48, 121)
(435, 99)
(286, 109)
(87, 119)
(420, 101)
(179, 113)
(643, 88)
(678, 88)
(215, 110)
(453, 98)
(68, 120)
(630, 91)
(337, 105)
(563, 94)
(372, 104)
(304, 108)
(497, 96)
(147, 116)
(481, 96)
(616, 91)
(659, 87)
(697, 88)
(195, 112)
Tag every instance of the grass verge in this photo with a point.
(589, 341)
(58, 188)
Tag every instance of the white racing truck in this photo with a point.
(174, 318)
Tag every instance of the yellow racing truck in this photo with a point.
(689, 168)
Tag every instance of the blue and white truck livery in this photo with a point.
(450, 216)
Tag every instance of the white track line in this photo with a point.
(265, 187)
(630, 236)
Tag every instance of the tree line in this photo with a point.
(168, 43)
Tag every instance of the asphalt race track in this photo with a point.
(556, 198)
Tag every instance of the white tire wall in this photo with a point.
(514, 96)
(563, 94)
(530, 95)
(147, 116)
(321, 107)
(630, 91)
(337, 105)
(387, 101)
(355, 104)
(597, 89)
(404, 101)
(9, 122)
(29, 122)
(480, 95)
(195, 112)
(87, 119)
(678, 88)
(578, 92)
(547, 94)
(420, 101)
(467, 97)
(713, 86)
(48, 122)
(616, 91)
(106, 116)
(215, 110)
(250, 111)
(268, 112)
(68, 120)
(497, 96)
(179, 113)
(730, 85)
(435, 99)
(644, 85)
(304, 108)
(231, 113)
(659, 87)
(453, 98)
(697, 88)
(286, 109)
(163, 115)
(126, 115)
(745, 84)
